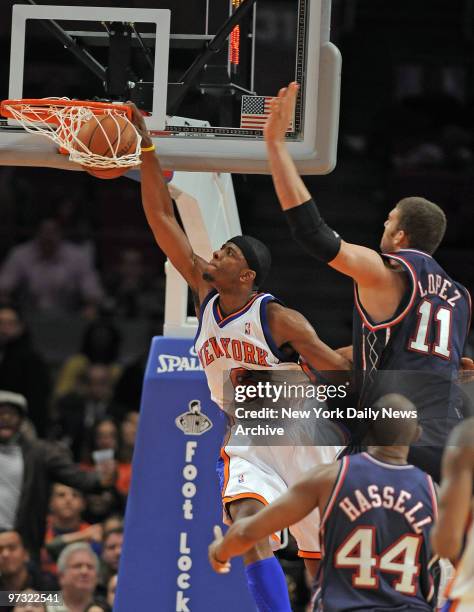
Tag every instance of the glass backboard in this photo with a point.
(203, 70)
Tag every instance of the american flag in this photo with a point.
(255, 111)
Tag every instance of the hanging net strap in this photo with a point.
(60, 120)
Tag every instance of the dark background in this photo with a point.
(406, 129)
(407, 114)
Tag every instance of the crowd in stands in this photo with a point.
(68, 428)
(61, 521)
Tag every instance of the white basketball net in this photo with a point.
(68, 120)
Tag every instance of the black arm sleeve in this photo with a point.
(310, 231)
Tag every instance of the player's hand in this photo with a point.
(139, 123)
(347, 352)
(466, 371)
(282, 111)
(221, 567)
(467, 363)
(93, 533)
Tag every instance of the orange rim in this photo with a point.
(45, 103)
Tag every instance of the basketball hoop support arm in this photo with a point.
(177, 94)
(71, 45)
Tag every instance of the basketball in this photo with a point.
(109, 136)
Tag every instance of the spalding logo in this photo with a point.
(176, 363)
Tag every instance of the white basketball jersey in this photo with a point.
(239, 340)
(462, 588)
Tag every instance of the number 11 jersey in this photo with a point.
(417, 352)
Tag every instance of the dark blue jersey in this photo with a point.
(418, 351)
(376, 553)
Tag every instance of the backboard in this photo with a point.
(204, 70)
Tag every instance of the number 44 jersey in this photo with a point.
(375, 539)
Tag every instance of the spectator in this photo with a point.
(128, 389)
(128, 433)
(50, 273)
(129, 386)
(65, 525)
(111, 588)
(104, 438)
(98, 606)
(111, 551)
(22, 369)
(73, 212)
(66, 505)
(100, 505)
(27, 469)
(112, 522)
(131, 290)
(30, 607)
(17, 573)
(78, 568)
(100, 345)
(78, 413)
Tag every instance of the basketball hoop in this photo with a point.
(61, 120)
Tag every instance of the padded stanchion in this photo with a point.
(174, 499)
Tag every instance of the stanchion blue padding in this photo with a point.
(174, 499)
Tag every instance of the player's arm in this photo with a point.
(287, 510)
(347, 352)
(309, 229)
(288, 326)
(456, 492)
(161, 218)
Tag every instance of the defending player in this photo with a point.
(241, 328)
(377, 513)
(453, 534)
(409, 315)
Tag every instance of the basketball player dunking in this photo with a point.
(242, 328)
(377, 513)
(411, 319)
(453, 534)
